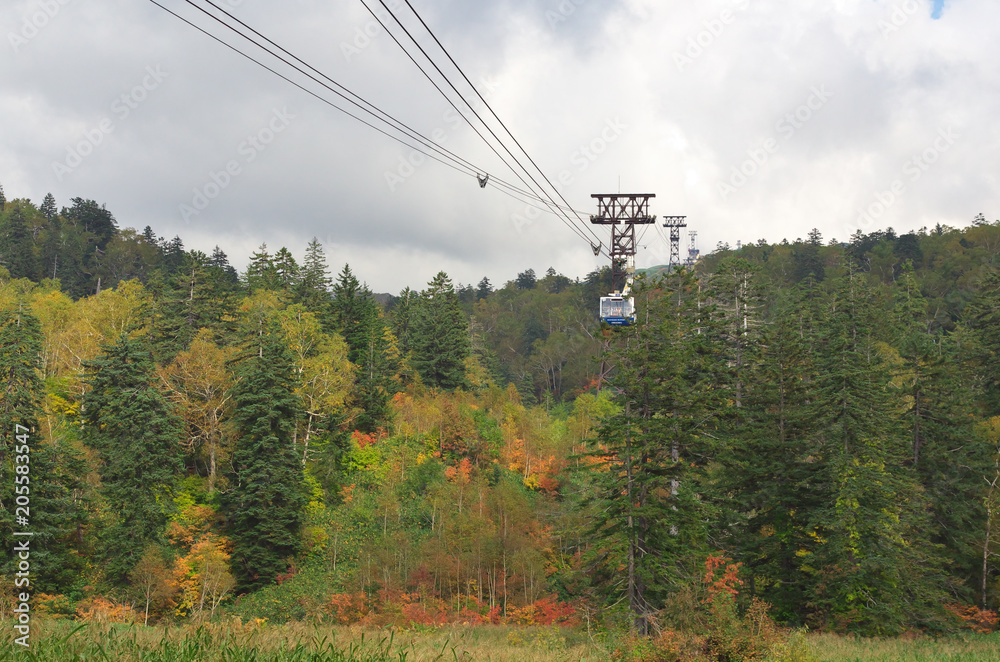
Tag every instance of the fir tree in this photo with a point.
(484, 289)
(48, 208)
(265, 503)
(313, 289)
(3, 199)
(130, 425)
(286, 269)
(440, 336)
(650, 505)
(878, 568)
(20, 404)
(261, 273)
(372, 347)
(17, 251)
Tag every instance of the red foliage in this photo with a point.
(725, 584)
(364, 440)
(409, 609)
(978, 620)
(282, 577)
(347, 608)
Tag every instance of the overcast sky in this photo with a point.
(755, 118)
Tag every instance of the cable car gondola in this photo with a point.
(618, 310)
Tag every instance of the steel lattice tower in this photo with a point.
(622, 211)
(675, 223)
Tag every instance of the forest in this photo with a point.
(804, 433)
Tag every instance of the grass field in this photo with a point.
(967, 648)
(57, 641)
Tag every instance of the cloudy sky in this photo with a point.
(755, 118)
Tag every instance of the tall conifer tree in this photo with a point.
(264, 506)
(136, 435)
(440, 335)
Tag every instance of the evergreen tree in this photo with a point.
(402, 317)
(526, 280)
(194, 297)
(261, 273)
(944, 457)
(372, 348)
(983, 319)
(130, 425)
(173, 255)
(440, 336)
(20, 349)
(17, 251)
(48, 208)
(768, 469)
(484, 289)
(650, 505)
(313, 289)
(264, 506)
(286, 269)
(57, 471)
(93, 219)
(877, 569)
(807, 258)
(3, 199)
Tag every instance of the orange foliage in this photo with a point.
(978, 620)
(364, 440)
(409, 609)
(347, 608)
(727, 582)
(98, 609)
(461, 474)
(547, 611)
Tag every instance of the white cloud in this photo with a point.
(562, 72)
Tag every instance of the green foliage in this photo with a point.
(264, 507)
(440, 337)
(131, 427)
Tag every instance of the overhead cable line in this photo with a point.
(487, 104)
(466, 102)
(304, 89)
(382, 115)
(462, 167)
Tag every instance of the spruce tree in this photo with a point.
(20, 405)
(17, 251)
(313, 289)
(877, 568)
(265, 502)
(56, 469)
(650, 504)
(944, 455)
(261, 273)
(130, 425)
(767, 468)
(372, 348)
(48, 208)
(440, 336)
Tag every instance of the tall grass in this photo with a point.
(965, 648)
(296, 642)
